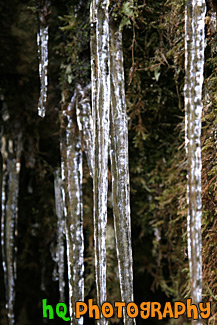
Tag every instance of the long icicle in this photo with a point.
(194, 66)
(42, 42)
(10, 190)
(72, 182)
(100, 141)
(120, 168)
(60, 234)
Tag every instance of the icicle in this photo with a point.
(120, 168)
(85, 122)
(94, 62)
(42, 41)
(194, 62)
(10, 190)
(213, 17)
(100, 89)
(60, 234)
(72, 194)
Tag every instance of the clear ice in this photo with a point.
(42, 41)
(110, 130)
(194, 67)
(100, 113)
(120, 169)
(60, 234)
(11, 152)
(85, 122)
(71, 155)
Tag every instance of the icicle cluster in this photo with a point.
(60, 234)
(71, 155)
(42, 41)
(194, 65)
(93, 128)
(11, 152)
(110, 118)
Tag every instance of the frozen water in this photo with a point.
(60, 234)
(42, 41)
(11, 152)
(100, 112)
(194, 66)
(71, 165)
(120, 169)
